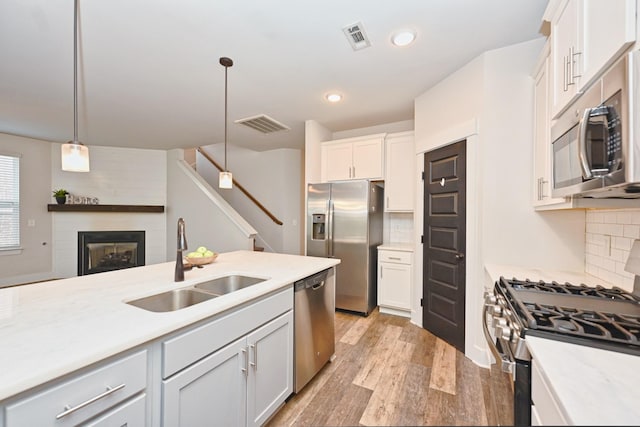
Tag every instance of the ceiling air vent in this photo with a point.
(263, 123)
(356, 36)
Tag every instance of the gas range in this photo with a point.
(607, 318)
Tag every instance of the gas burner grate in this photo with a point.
(597, 291)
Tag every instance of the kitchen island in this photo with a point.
(51, 330)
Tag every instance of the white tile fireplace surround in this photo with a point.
(66, 226)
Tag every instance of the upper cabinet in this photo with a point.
(353, 158)
(541, 136)
(586, 37)
(399, 176)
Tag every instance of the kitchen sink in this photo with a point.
(186, 297)
(172, 300)
(227, 284)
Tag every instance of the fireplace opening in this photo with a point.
(100, 251)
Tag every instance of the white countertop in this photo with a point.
(591, 386)
(49, 329)
(404, 247)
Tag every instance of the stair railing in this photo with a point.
(241, 188)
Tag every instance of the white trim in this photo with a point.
(11, 251)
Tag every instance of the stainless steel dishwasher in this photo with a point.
(314, 325)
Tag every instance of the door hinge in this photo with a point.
(423, 176)
(421, 304)
(422, 239)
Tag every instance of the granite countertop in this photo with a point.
(52, 328)
(591, 386)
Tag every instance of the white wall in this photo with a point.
(34, 262)
(489, 102)
(273, 177)
(119, 176)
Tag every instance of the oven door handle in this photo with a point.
(506, 364)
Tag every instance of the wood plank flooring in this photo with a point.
(389, 372)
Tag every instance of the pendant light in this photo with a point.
(75, 155)
(226, 178)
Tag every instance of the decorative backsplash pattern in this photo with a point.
(609, 237)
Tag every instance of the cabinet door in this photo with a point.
(338, 162)
(270, 368)
(609, 27)
(210, 392)
(368, 159)
(394, 285)
(399, 173)
(565, 55)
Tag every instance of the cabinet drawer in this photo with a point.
(190, 346)
(129, 414)
(400, 257)
(90, 393)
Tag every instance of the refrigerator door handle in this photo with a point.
(329, 241)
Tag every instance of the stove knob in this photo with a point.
(496, 310)
(489, 299)
(499, 321)
(504, 332)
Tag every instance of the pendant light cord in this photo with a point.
(75, 72)
(225, 117)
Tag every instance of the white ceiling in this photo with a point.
(149, 75)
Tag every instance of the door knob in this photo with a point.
(459, 256)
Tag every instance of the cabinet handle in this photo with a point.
(395, 258)
(572, 62)
(245, 362)
(542, 183)
(566, 73)
(381, 270)
(354, 171)
(254, 350)
(69, 410)
(349, 171)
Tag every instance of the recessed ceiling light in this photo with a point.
(403, 38)
(333, 97)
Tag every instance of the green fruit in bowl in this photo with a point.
(201, 249)
(209, 253)
(194, 255)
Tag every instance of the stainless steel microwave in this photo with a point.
(595, 145)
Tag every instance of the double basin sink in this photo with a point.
(188, 296)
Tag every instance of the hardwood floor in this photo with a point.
(389, 372)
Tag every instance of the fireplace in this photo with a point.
(100, 251)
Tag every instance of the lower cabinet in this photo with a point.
(88, 395)
(241, 384)
(545, 410)
(394, 281)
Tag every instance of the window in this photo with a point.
(9, 202)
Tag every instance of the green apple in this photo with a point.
(201, 249)
(208, 253)
(194, 255)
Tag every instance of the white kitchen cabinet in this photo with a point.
(395, 265)
(78, 399)
(542, 138)
(241, 383)
(399, 179)
(544, 408)
(352, 158)
(586, 37)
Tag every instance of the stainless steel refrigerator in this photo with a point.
(344, 220)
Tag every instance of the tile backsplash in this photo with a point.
(609, 237)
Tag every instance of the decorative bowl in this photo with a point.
(201, 260)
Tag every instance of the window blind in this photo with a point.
(9, 202)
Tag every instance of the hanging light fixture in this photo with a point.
(226, 178)
(75, 155)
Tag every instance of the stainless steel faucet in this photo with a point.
(182, 246)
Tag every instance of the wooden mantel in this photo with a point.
(105, 208)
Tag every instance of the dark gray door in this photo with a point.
(444, 243)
